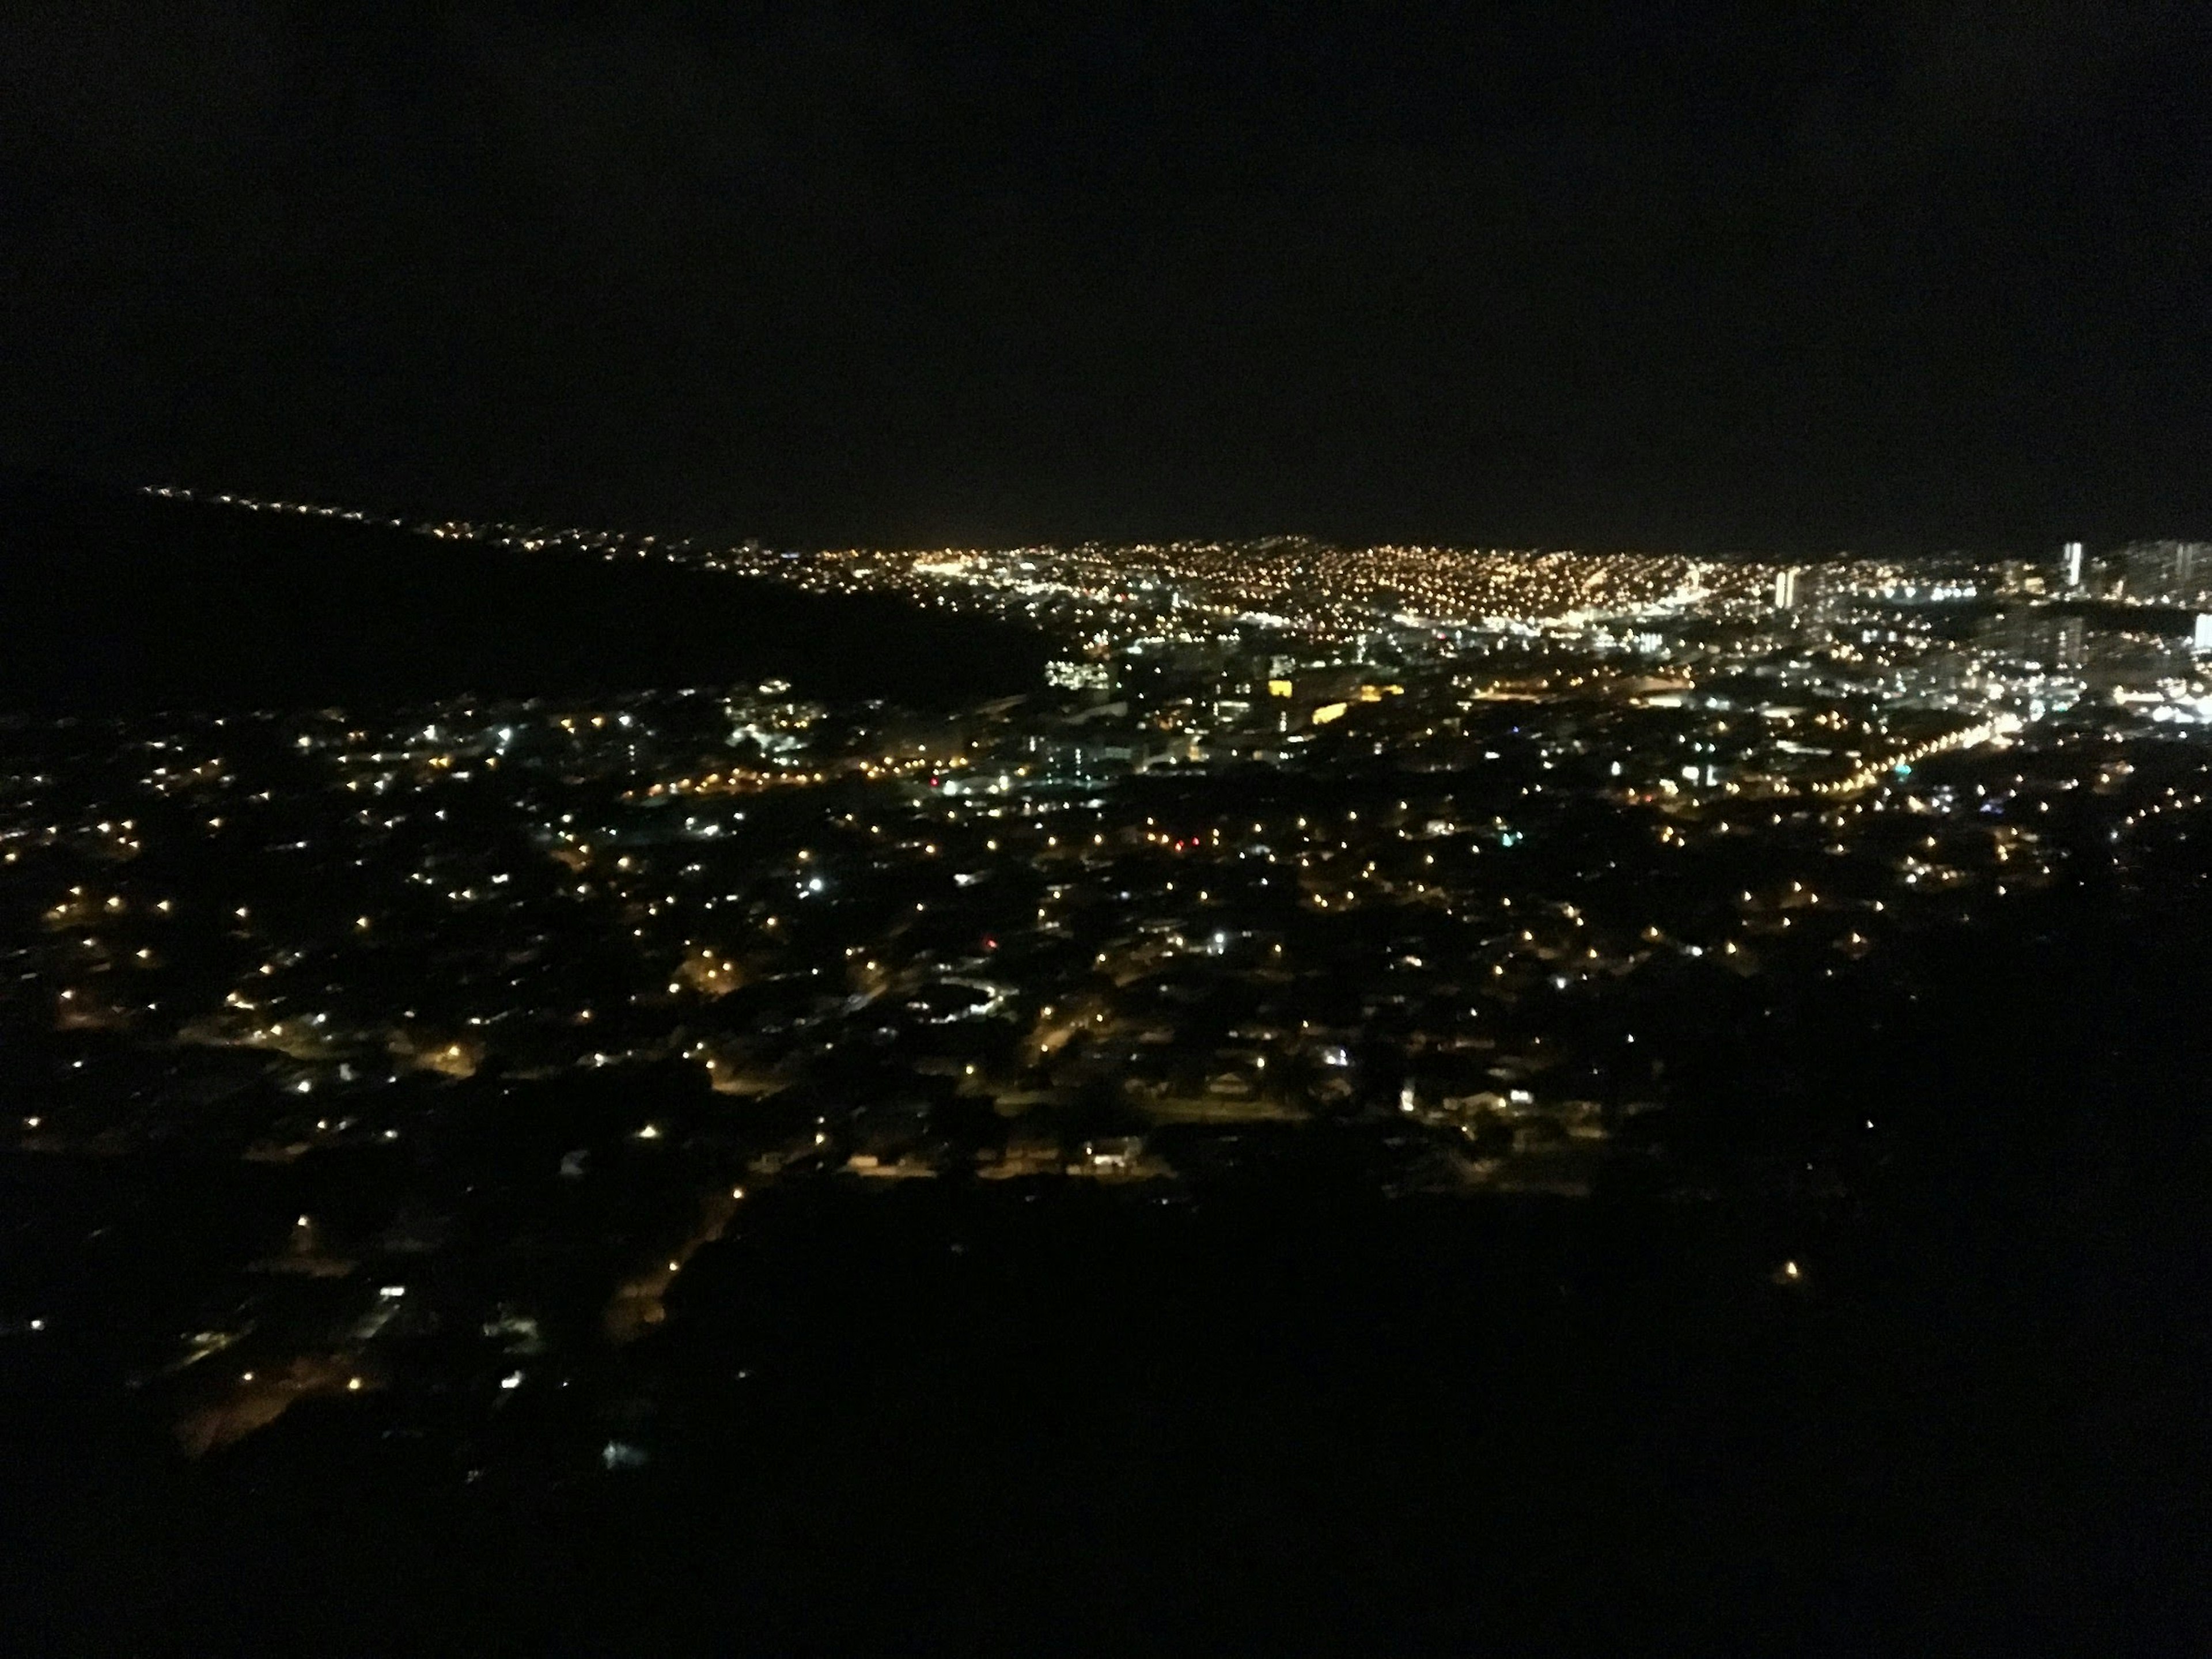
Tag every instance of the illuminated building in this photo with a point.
(2167, 573)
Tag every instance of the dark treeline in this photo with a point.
(114, 603)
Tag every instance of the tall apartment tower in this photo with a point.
(2167, 573)
(1785, 590)
(2069, 642)
(2069, 561)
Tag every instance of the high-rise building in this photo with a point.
(2167, 573)
(2202, 639)
(2036, 640)
(2068, 640)
(1785, 590)
(2069, 560)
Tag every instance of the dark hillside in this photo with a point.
(115, 603)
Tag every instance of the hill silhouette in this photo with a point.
(114, 602)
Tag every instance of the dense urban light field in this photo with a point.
(1558, 982)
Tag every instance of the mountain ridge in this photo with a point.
(114, 602)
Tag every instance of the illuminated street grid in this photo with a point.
(1457, 851)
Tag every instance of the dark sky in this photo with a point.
(1768, 276)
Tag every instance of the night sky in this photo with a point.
(1888, 278)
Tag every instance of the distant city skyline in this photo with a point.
(2072, 560)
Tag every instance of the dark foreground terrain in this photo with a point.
(1277, 1415)
(117, 602)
